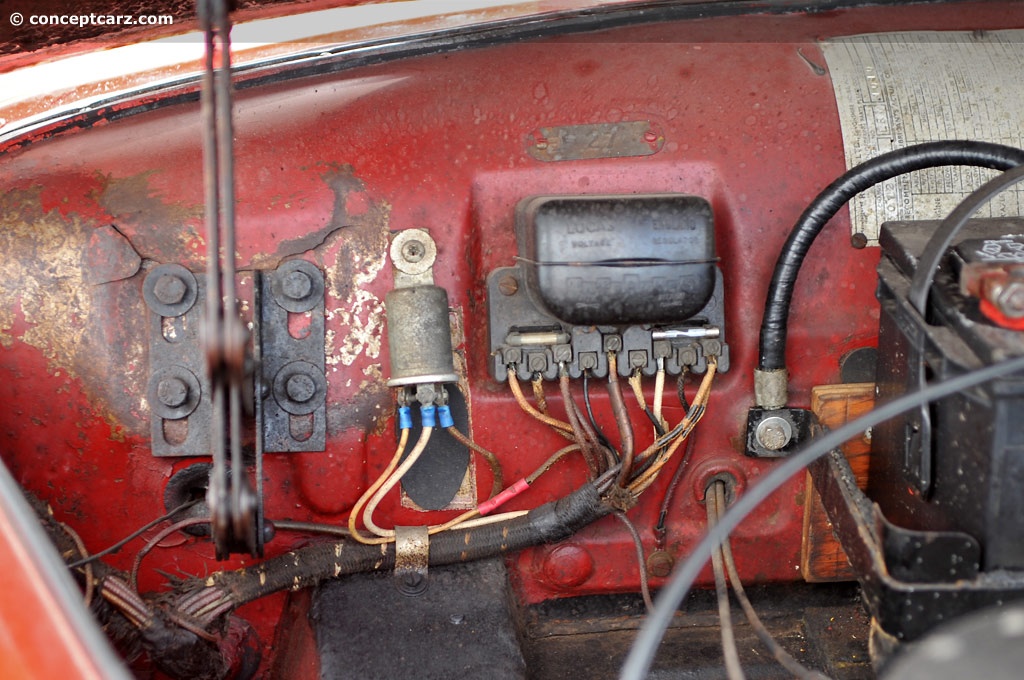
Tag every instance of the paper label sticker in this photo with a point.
(898, 89)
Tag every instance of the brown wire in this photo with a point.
(152, 543)
(538, 393)
(554, 458)
(781, 655)
(673, 484)
(591, 434)
(517, 392)
(621, 419)
(88, 572)
(645, 588)
(574, 423)
(492, 461)
(729, 650)
(114, 590)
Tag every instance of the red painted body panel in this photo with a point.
(329, 165)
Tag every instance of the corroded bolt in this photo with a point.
(172, 392)
(508, 285)
(413, 251)
(297, 285)
(1010, 300)
(774, 433)
(300, 388)
(169, 289)
(660, 564)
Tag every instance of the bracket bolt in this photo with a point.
(660, 564)
(774, 433)
(172, 392)
(508, 285)
(413, 251)
(297, 285)
(170, 289)
(300, 388)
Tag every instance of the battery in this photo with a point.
(956, 465)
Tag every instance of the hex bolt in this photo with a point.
(172, 392)
(508, 285)
(297, 285)
(413, 251)
(170, 289)
(300, 388)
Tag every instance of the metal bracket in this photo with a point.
(291, 336)
(178, 392)
(777, 433)
(289, 327)
(412, 552)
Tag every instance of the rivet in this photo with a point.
(300, 388)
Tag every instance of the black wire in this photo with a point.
(943, 236)
(772, 350)
(641, 655)
(677, 476)
(132, 536)
(601, 439)
(658, 427)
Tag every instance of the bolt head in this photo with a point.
(300, 388)
(774, 433)
(172, 392)
(413, 251)
(508, 285)
(1011, 299)
(170, 289)
(660, 564)
(297, 285)
(537, 363)
(426, 393)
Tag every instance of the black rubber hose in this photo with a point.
(772, 350)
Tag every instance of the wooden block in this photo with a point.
(822, 558)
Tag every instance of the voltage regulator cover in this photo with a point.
(618, 260)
